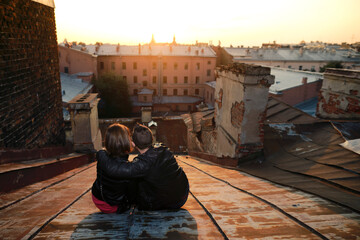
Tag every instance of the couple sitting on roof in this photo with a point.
(152, 181)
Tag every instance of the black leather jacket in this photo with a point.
(115, 191)
(163, 182)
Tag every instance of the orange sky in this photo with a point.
(235, 22)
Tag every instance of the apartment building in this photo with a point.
(176, 75)
(308, 58)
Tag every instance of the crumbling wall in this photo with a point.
(339, 96)
(241, 97)
(30, 91)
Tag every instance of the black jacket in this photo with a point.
(115, 191)
(163, 182)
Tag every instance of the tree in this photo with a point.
(115, 99)
(333, 64)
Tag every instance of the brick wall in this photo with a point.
(30, 91)
(339, 96)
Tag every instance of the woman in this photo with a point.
(114, 195)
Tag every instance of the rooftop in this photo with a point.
(288, 78)
(72, 86)
(224, 203)
(287, 54)
(166, 99)
(146, 50)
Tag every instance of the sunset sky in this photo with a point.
(238, 22)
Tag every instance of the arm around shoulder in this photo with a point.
(137, 168)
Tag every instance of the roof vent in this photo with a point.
(118, 48)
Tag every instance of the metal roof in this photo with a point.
(72, 86)
(287, 54)
(146, 50)
(288, 78)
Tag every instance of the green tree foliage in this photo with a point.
(115, 99)
(334, 64)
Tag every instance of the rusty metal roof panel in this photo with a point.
(280, 112)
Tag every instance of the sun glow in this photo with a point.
(234, 22)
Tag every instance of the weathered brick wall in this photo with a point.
(339, 97)
(30, 91)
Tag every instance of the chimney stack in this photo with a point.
(304, 80)
(241, 97)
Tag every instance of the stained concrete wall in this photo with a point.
(241, 97)
(30, 92)
(340, 95)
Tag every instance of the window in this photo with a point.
(175, 92)
(197, 91)
(175, 80)
(164, 65)
(177, 108)
(145, 98)
(197, 79)
(144, 73)
(135, 65)
(154, 65)
(189, 108)
(145, 83)
(209, 62)
(101, 65)
(300, 67)
(135, 79)
(197, 66)
(124, 65)
(289, 66)
(313, 68)
(154, 92)
(154, 80)
(164, 92)
(112, 65)
(175, 66)
(164, 79)
(208, 72)
(185, 92)
(186, 66)
(66, 69)
(124, 78)
(186, 79)
(135, 91)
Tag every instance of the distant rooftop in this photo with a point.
(288, 78)
(72, 86)
(167, 99)
(287, 54)
(146, 91)
(146, 50)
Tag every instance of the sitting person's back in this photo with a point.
(165, 186)
(114, 194)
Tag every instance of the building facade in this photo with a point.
(176, 74)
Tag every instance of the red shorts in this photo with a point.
(103, 206)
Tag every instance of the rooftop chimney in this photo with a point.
(139, 48)
(118, 48)
(304, 80)
(241, 95)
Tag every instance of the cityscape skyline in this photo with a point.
(248, 23)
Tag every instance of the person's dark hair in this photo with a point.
(142, 136)
(118, 140)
